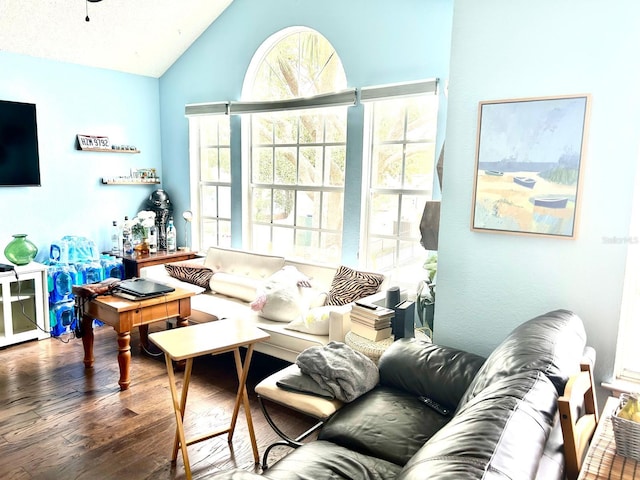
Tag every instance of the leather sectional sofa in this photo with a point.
(504, 422)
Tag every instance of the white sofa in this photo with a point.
(237, 278)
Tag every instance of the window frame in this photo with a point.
(380, 94)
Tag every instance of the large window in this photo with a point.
(211, 174)
(297, 182)
(289, 191)
(298, 155)
(399, 180)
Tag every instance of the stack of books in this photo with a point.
(371, 321)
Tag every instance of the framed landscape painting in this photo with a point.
(529, 162)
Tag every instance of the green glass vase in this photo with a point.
(20, 250)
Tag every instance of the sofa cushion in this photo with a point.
(552, 343)
(349, 285)
(327, 461)
(440, 373)
(386, 423)
(242, 263)
(314, 321)
(190, 272)
(500, 433)
(236, 286)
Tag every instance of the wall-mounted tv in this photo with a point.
(19, 158)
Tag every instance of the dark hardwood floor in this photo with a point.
(61, 421)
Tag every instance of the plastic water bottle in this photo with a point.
(115, 238)
(171, 237)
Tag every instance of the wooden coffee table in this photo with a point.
(123, 315)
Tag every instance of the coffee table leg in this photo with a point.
(124, 359)
(243, 372)
(87, 340)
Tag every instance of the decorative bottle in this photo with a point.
(153, 239)
(127, 241)
(171, 236)
(115, 238)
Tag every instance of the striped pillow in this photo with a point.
(349, 285)
(194, 273)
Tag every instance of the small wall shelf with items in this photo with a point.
(93, 143)
(128, 181)
(139, 176)
(23, 303)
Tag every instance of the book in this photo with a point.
(370, 312)
(370, 333)
(376, 324)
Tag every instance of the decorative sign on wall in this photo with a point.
(92, 142)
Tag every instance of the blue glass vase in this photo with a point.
(20, 250)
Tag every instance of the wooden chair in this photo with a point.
(578, 418)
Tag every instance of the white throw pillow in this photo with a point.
(235, 286)
(281, 298)
(315, 321)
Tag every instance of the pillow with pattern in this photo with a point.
(349, 285)
(194, 273)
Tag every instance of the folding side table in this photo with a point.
(212, 338)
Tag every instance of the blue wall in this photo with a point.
(71, 99)
(488, 283)
(378, 42)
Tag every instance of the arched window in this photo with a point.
(297, 156)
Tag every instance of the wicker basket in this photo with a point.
(627, 433)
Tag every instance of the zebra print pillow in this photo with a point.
(190, 272)
(349, 285)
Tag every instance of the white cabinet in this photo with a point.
(23, 304)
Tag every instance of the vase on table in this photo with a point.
(20, 250)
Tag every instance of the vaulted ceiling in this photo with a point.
(143, 37)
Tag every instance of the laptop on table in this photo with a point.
(141, 289)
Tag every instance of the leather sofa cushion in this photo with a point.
(326, 461)
(499, 434)
(552, 343)
(440, 373)
(386, 423)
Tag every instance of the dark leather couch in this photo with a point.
(504, 424)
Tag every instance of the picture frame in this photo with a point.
(530, 156)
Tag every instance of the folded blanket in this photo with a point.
(299, 382)
(340, 369)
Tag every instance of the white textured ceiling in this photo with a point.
(136, 36)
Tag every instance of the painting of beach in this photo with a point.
(528, 165)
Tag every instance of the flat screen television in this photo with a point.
(19, 157)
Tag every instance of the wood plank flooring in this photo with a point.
(61, 421)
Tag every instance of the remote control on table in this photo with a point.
(435, 406)
(366, 305)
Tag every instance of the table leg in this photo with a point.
(243, 372)
(87, 340)
(180, 441)
(124, 359)
(144, 337)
